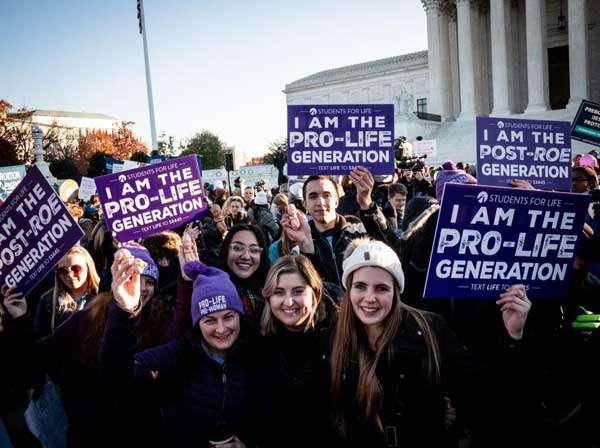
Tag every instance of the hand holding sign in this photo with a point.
(14, 302)
(515, 307)
(363, 181)
(302, 236)
(126, 271)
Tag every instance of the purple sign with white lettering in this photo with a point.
(36, 231)
(534, 150)
(490, 238)
(147, 200)
(330, 139)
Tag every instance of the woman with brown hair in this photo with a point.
(295, 321)
(76, 283)
(393, 365)
(69, 356)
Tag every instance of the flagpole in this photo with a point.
(142, 23)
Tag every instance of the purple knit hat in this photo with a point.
(139, 251)
(213, 291)
(455, 176)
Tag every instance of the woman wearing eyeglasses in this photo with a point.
(76, 284)
(244, 257)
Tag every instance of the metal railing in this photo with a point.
(426, 116)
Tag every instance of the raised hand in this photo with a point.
(188, 251)
(14, 302)
(364, 182)
(515, 307)
(126, 271)
(302, 235)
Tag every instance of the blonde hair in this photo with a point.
(351, 343)
(227, 204)
(280, 198)
(61, 299)
(290, 264)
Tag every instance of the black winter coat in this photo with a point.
(327, 259)
(200, 398)
(412, 411)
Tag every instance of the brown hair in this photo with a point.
(397, 188)
(90, 341)
(227, 205)
(290, 264)
(351, 343)
(61, 296)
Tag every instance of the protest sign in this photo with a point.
(36, 231)
(489, 238)
(87, 188)
(152, 198)
(425, 148)
(334, 139)
(586, 125)
(534, 150)
(10, 176)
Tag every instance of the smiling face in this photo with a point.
(372, 295)
(220, 330)
(292, 301)
(234, 207)
(248, 195)
(321, 201)
(243, 255)
(73, 271)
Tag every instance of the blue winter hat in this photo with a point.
(212, 291)
(139, 251)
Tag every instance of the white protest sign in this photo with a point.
(425, 148)
(87, 188)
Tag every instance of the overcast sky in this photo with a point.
(216, 64)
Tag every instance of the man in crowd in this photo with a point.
(394, 210)
(326, 237)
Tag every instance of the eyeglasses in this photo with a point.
(240, 248)
(63, 271)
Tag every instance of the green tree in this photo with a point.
(140, 156)
(97, 164)
(166, 145)
(209, 146)
(65, 169)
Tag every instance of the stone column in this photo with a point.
(537, 56)
(438, 59)
(501, 57)
(468, 56)
(453, 44)
(579, 65)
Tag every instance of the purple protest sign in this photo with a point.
(534, 150)
(489, 238)
(152, 198)
(36, 231)
(334, 139)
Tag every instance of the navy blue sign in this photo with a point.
(534, 150)
(586, 125)
(10, 176)
(36, 231)
(490, 238)
(334, 139)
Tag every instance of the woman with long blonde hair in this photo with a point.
(390, 364)
(295, 322)
(76, 283)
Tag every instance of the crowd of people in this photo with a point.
(294, 317)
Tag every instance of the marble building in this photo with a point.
(532, 59)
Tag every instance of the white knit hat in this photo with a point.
(366, 252)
